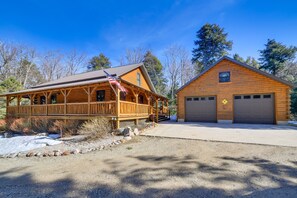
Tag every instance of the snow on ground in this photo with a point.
(24, 143)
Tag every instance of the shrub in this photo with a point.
(97, 127)
(66, 127)
(41, 124)
(2, 125)
(18, 124)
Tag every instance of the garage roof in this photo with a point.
(243, 65)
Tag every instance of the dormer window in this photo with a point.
(224, 77)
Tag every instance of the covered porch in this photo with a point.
(83, 102)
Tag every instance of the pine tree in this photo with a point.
(99, 62)
(275, 55)
(211, 44)
(155, 71)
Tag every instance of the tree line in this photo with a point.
(22, 67)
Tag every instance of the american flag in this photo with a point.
(113, 81)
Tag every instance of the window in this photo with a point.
(140, 99)
(211, 98)
(138, 79)
(256, 96)
(196, 99)
(100, 95)
(237, 97)
(267, 96)
(203, 98)
(42, 100)
(53, 99)
(189, 99)
(246, 97)
(224, 77)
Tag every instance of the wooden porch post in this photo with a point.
(46, 102)
(64, 92)
(88, 92)
(157, 109)
(18, 104)
(117, 108)
(7, 104)
(89, 100)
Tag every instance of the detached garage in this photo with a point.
(233, 92)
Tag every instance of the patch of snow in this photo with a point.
(24, 143)
(54, 136)
(173, 117)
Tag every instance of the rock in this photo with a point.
(83, 151)
(136, 132)
(42, 134)
(75, 151)
(57, 153)
(7, 135)
(45, 154)
(38, 154)
(127, 138)
(127, 132)
(66, 153)
(21, 154)
(123, 140)
(30, 154)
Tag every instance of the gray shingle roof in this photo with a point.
(243, 65)
(89, 78)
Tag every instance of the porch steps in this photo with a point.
(162, 118)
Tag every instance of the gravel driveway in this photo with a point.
(276, 135)
(156, 167)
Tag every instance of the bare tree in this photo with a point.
(178, 66)
(73, 62)
(51, 66)
(135, 55)
(8, 56)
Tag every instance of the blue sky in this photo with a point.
(112, 26)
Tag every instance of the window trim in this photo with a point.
(225, 81)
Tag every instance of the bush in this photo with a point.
(18, 125)
(66, 127)
(97, 127)
(41, 124)
(2, 125)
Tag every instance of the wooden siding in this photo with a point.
(132, 78)
(243, 81)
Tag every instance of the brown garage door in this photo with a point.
(201, 109)
(254, 109)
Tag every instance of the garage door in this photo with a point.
(254, 108)
(201, 109)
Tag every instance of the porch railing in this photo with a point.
(93, 108)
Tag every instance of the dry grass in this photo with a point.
(97, 127)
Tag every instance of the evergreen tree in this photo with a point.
(10, 84)
(155, 71)
(99, 62)
(251, 61)
(211, 44)
(275, 55)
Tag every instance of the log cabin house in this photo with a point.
(89, 94)
(230, 91)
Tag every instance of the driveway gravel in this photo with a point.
(156, 167)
